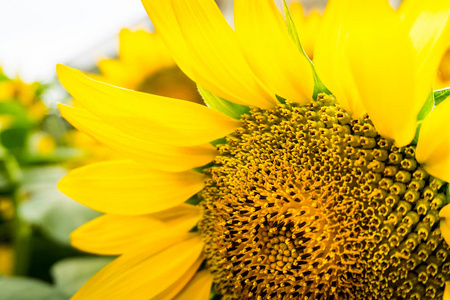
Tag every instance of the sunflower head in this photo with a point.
(322, 179)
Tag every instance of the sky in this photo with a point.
(36, 35)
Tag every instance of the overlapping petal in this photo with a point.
(271, 52)
(429, 29)
(199, 287)
(330, 59)
(148, 117)
(206, 49)
(118, 234)
(153, 154)
(382, 61)
(177, 286)
(126, 187)
(144, 274)
(433, 147)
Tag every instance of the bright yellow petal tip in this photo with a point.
(132, 112)
(129, 188)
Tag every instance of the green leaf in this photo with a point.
(319, 87)
(14, 139)
(441, 95)
(47, 208)
(292, 29)
(10, 173)
(226, 107)
(17, 288)
(71, 274)
(18, 112)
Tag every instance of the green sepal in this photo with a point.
(319, 87)
(441, 95)
(194, 200)
(427, 107)
(281, 99)
(226, 107)
(214, 295)
(434, 99)
(202, 168)
(219, 141)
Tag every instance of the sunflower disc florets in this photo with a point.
(305, 202)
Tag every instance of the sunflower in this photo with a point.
(144, 64)
(300, 181)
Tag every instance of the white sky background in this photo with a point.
(35, 35)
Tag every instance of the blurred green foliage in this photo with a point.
(36, 260)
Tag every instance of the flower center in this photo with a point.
(305, 202)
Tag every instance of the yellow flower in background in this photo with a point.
(308, 24)
(310, 195)
(6, 259)
(443, 79)
(25, 94)
(145, 64)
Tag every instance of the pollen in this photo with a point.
(304, 202)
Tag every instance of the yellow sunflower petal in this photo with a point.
(177, 286)
(376, 50)
(330, 61)
(126, 187)
(382, 61)
(154, 155)
(429, 30)
(447, 291)
(270, 50)
(199, 287)
(145, 116)
(444, 214)
(117, 234)
(139, 275)
(206, 49)
(433, 148)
